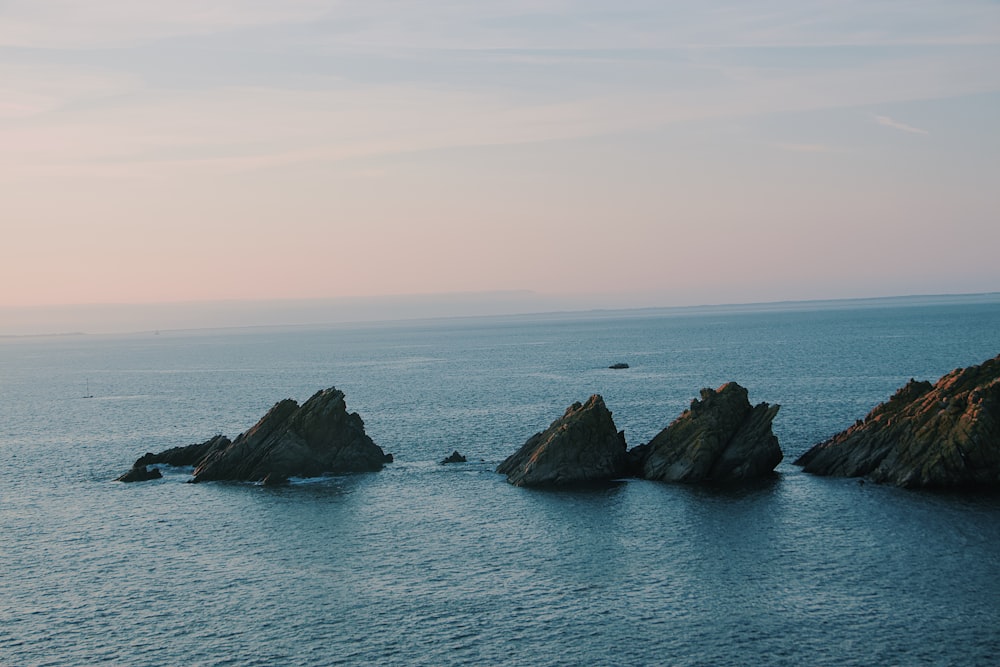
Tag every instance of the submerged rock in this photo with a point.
(944, 435)
(454, 457)
(313, 439)
(139, 473)
(720, 438)
(581, 446)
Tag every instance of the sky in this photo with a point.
(641, 152)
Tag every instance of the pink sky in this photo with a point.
(657, 155)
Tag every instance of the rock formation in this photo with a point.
(940, 436)
(313, 439)
(187, 455)
(139, 473)
(720, 438)
(581, 446)
(454, 457)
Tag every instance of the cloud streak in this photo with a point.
(508, 23)
(886, 121)
(420, 146)
(808, 148)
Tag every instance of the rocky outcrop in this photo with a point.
(581, 446)
(720, 438)
(313, 439)
(139, 473)
(454, 457)
(187, 455)
(945, 435)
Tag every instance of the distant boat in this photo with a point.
(88, 394)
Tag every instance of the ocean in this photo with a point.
(425, 564)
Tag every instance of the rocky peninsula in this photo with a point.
(319, 437)
(945, 435)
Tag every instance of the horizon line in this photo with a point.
(414, 299)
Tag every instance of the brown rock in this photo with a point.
(316, 438)
(187, 455)
(581, 446)
(139, 473)
(720, 438)
(941, 436)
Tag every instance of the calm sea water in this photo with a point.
(449, 565)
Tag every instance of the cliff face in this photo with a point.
(720, 438)
(581, 446)
(318, 437)
(942, 435)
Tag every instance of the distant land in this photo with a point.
(18, 321)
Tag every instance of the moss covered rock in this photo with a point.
(944, 435)
(720, 438)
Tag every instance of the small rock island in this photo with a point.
(319, 437)
(945, 435)
(719, 439)
(581, 446)
(454, 457)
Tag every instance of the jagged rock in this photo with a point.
(187, 455)
(944, 435)
(289, 441)
(139, 473)
(454, 457)
(274, 480)
(720, 438)
(581, 446)
(313, 439)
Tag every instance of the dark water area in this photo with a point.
(449, 565)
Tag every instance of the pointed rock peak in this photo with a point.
(595, 402)
(582, 446)
(721, 438)
(730, 392)
(313, 439)
(454, 457)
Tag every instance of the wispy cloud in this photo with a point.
(896, 125)
(809, 148)
(506, 23)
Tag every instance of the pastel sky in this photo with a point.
(666, 153)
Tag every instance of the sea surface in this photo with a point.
(425, 564)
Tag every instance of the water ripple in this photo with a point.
(424, 564)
